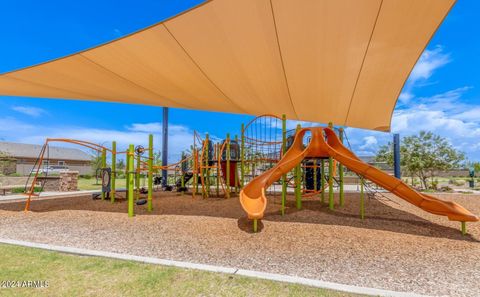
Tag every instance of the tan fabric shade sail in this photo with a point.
(343, 61)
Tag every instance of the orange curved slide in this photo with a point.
(254, 202)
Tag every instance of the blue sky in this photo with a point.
(442, 94)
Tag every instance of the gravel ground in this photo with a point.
(397, 246)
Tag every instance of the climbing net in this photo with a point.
(263, 145)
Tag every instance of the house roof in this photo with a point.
(23, 150)
(322, 61)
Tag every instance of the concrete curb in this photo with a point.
(48, 195)
(212, 268)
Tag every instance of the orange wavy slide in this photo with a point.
(254, 202)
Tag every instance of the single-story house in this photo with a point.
(20, 158)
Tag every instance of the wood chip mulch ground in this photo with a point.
(397, 246)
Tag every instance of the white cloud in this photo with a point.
(117, 32)
(429, 61)
(370, 142)
(29, 110)
(148, 127)
(444, 114)
(9, 124)
(472, 114)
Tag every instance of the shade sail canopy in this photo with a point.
(340, 61)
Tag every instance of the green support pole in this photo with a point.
(217, 156)
(227, 180)
(137, 178)
(330, 184)
(150, 173)
(340, 173)
(255, 225)
(127, 159)
(330, 179)
(284, 149)
(322, 180)
(207, 169)
(464, 228)
(242, 158)
(298, 185)
(362, 200)
(236, 177)
(114, 172)
(130, 175)
(104, 165)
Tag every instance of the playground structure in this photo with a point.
(208, 164)
(267, 155)
(324, 143)
(136, 165)
(280, 74)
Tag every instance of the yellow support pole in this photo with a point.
(130, 176)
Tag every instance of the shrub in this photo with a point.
(445, 189)
(459, 182)
(434, 185)
(85, 176)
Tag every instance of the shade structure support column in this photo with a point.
(396, 156)
(164, 145)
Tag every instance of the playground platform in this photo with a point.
(396, 247)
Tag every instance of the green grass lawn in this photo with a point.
(91, 184)
(71, 275)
